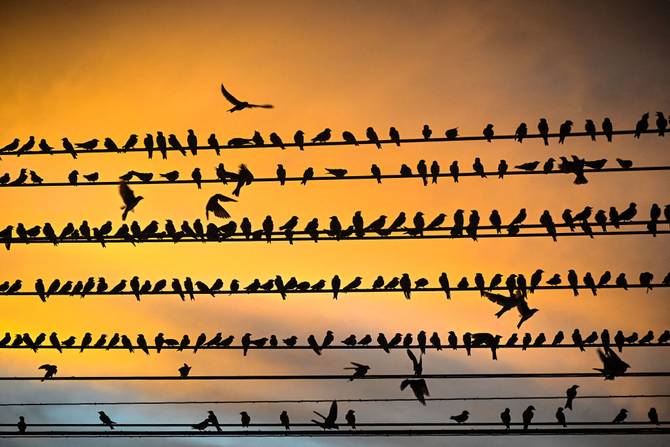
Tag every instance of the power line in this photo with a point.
(358, 424)
(308, 144)
(328, 291)
(315, 401)
(344, 433)
(451, 376)
(329, 178)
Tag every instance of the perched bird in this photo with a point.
(299, 139)
(88, 145)
(372, 136)
(461, 418)
(322, 136)
(530, 166)
(613, 366)
(241, 105)
(506, 418)
(350, 417)
(49, 371)
(130, 201)
(349, 138)
(560, 417)
(607, 129)
(527, 416)
(564, 131)
(543, 129)
(621, 416)
(642, 125)
(521, 132)
(329, 421)
(106, 420)
(376, 173)
(488, 132)
(394, 135)
(590, 129)
(307, 175)
(570, 394)
(479, 167)
(184, 371)
(426, 132)
(360, 370)
(214, 206)
(337, 173)
(652, 414)
(283, 418)
(21, 425)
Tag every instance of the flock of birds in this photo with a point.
(330, 420)
(134, 233)
(421, 340)
(160, 143)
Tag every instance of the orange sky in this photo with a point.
(92, 70)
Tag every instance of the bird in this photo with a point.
(570, 394)
(417, 364)
(307, 175)
(461, 418)
(329, 421)
(337, 173)
(607, 128)
(426, 132)
(11, 146)
(283, 418)
(642, 125)
(49, 371)
(184, 371)
(350, 417)
(506, 418)
(479, 167)
(241, 105)
(527, 416)
(88, 145)
(106, 420)
(590, 129)
(564, 131)
(488, 132)
(21, 425)
(418, 387)
(530, 166)
(653, 416)
(322, 136)
(372, 136)
(130, 201)
(621, 416)
(360, 370)
(214, 206)
(394, 135)
(613, 366)
(543, 129)
(299, 139)
(560, 417)
(502, 169)
(349, 138)
(521, 132)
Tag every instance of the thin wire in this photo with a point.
(332, 143)
(316, 401)
(344, 433)
(329, 178)
(335, 377)
(241, 238)
(330, 291)
(358, 424)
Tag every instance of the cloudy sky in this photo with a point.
(93, 69)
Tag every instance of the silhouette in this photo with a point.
(521, 132)
(530, 166)
(607, 129)
(184, 371)
(322, 136)
(106, 420)
(613, 366)
(376, 173)
(453, 170)
(479, 167)
(372, 136)
(215, 207)
(426, 132)
(652, 414)
(527, 416)
(506, 418)
(241, 105)
(329, 421)
(130, 201)
(564, 131)
(349, 138)
(418, 387)
(307, 175)
(212, 419)
(461, 418)
(642, 125)
(21, 425)
(394, 135)
(570, 393)
(88, 145)
(621, 416)
(257, 139)
(283, 418)
(488, 132)
(11, 146)
(299, 139)
(350, 417)
(201, 425)
(337, 173)
(69, 148)
(360, 370)
(417, 365)
(49, 371)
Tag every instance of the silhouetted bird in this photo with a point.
(629, 213)
(571, 393)
(543, 129)
(560, 417)
(283, 418)
(329, 421)
(130, 201)
(527, 416)
(372, 136)
(521, 132)
(394, 135)
(642, 125)
(613, 366)
(241, 105)
(564, 131)
(307, 175)
(214, 206)
(49, 371)
(607, 129)
(106, 420)
(530, 166)
(35, 178)
(461, 418)
(502, 169)
(337, 173)
(88, 145)
(506, 418)
(418, 387)
(454, 171)
(426, 132)
(349, 138)
(479, 167)
(488, 132)
(11, 146)
(653, 416)
(360, 370)
(322, 136)
(621, 416)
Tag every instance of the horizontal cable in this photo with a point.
(333, 377)
(342, 433)
(328, 291)
(359, 424)
(139, 149)
(492, 174)
(316, 401)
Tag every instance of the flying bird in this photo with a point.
(215, 207)
(329, 421)
(130, 201)
(241, 105)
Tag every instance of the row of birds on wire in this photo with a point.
(160, 143)
(330, 420)
(187, 287)
(197, 231)
(420, 340)
(244, 176)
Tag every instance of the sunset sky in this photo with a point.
(92, 69)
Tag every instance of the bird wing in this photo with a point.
(412, 357)
(498, 299)
(45, 367)
(233, 100)
(332, 414)
(127, 194)
(262, 106)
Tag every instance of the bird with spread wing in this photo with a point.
(330, 421)
(215, 207)
(241, 105)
